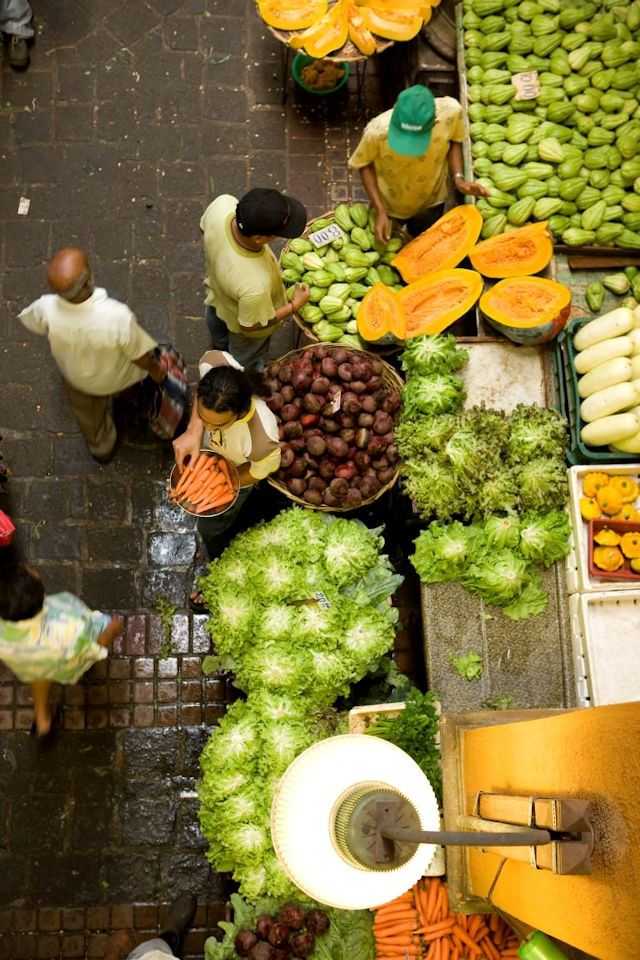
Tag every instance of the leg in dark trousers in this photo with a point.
(218, 330)
(418, 224)
(215, 530)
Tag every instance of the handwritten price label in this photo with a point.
(327, 235)
(527, 85)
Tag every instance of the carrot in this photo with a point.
(217, 502)
(392, 907)
(400, 913)
(466, 940)
(397, 939)
(212, 485)
(224, 468)
(434, 893)
(511, 952)
(439, 926)
(473, 925)
(490, 950)
(438, 934)
(424, 898)
(494, 922)
(394, 929)
(445, 947)
(184, 476)
(455, 954)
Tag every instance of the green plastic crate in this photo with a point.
(564, 356)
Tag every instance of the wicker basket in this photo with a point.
(384, 351)
(392, 380)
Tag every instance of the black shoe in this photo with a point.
(181, 914)
(18, 53)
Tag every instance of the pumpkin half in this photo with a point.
(291, 14)
(328, 33)
(527, 309)
(390, 24)
(518, 253)
(442, 246)
(360, 37)
(381, 313)
(438, 300)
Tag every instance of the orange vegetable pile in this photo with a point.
(420, 924)
(205, 485)
(610, 496)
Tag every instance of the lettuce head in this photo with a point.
(544, 537)
(427, 355)
(351, 550)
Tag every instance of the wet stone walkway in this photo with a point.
(129, 120)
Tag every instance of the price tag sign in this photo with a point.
(527, 85)
(323, 599)
(335, 403)
(327, 235)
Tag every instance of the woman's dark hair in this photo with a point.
(21, 591)
(228, 389)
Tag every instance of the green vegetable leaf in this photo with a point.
(468, 665)
(531, 602)
(544, 538)
(433, 355)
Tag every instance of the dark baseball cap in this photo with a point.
(270, 213)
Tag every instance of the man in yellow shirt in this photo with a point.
(246, 299)
(404, 157)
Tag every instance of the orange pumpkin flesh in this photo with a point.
(360, 37)
(380, 313)
(524, 302)
(518, 253)
(442, 246)
(385, 22)
(291, 14)
(326, 34)
(438, 300)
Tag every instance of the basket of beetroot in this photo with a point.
(336, 410)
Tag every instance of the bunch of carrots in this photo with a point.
(420, 924)
(205, 485)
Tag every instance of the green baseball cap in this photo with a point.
(412, 121)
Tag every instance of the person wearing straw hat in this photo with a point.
(405, 156)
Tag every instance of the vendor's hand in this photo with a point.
(300, 296)
(114, 629)
(470, 188)
(187, 448)
(383, 227)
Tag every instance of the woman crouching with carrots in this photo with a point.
(231, 418)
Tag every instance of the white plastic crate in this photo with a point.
(605, 632)
(579, 580)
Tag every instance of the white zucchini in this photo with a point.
(635, 367)
(634, 336)
(612, 400)
(636, 317)
(613, 324)
(606, 350)
(606, 375)
(615, 429)
(628, 444)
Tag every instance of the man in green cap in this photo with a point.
(404, 157)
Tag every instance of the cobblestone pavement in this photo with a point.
(130, 119)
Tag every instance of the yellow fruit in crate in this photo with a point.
(635, 566)
(328, 34)
(291, 14)
(386, 22)
(607, 538)
(630, 545)
(628, 514)
(589, 509)
(626, 487)
(608, 558)
(593, 481)
(360, 37)
(609, 500)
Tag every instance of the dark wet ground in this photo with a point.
(120, 133)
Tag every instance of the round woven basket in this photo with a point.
(393, 381)
(384, 351)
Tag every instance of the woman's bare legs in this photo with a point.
(40, 690)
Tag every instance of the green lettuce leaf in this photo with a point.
(430, 355)
(531, 602)
(544, 538)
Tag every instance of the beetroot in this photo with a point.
(361, 370)
(345, 372)
(298, 444)
(337, 448)
(298, 468)
(320, 385)
(358, 386)
(340, 355)
(314, 497)
(386, 476)
(329, 500)
(380, 463)
(317, 483)
(374, 384)
(376, 367)
(326, 469)
(245, 940)
(301, 381)
(309, 420)
(368, 404)
(285, 373)
(365, 420)
(376, 445)
(261, 951)
(361, 459)
(329, 368)
(350, 403)
(392, 454)
(382, 423)
(263, 925)
(339, 487)
(353, 498)
(347, 421)
(297, 486)
(328, 425)
(368, 487)
(287, 393)
(289, 412)
(317, 921)
(275, 402)
(320, 352)
(316, 446)
(346, 471)
(287, 456)
(334, 390)
(292, 430)
(312, 403)
(302, 944)
(348, 435)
